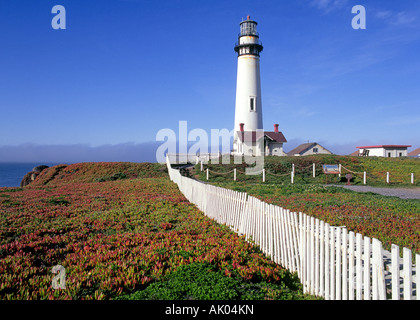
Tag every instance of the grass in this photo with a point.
(278, 170)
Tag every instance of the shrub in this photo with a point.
(203, 281)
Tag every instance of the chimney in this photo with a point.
(276, 128)
(241, 127)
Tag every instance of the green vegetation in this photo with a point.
(278, 170)
(116, 176)
(203, 281)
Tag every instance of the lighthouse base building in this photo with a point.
(259, 142)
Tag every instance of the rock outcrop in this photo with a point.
(31, 176)
(39, 168)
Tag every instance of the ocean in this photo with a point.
(11, 174)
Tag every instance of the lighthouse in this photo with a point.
(249, 137)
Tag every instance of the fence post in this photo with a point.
(207, 173)
(364, 177)
(292, 177)
(201, 166)
(234, 174)
(313, 170)
(339, 170)
(412, 178)
(263, 177)
(387, 177)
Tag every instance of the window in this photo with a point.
(315, 150)
(389, 154)
(252, 106)
(401, 154)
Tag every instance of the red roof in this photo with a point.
(415, 152)
(252, 136)
(385, 146)
(275, 136)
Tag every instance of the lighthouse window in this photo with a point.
(252, 103)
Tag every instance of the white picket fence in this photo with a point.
(330, 261)
(183, 158)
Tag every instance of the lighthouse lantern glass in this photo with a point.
(249, 28)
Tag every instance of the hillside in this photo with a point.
(98, 172)
(117, 228)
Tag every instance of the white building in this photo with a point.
(259, 142)
(388, 151)
(252, 140)
(307, 149)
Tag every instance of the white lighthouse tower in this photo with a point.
(248, 107)
(250, 139)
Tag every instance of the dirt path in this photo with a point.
(403, 193)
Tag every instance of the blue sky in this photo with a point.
(122, 70)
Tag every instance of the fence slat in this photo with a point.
(351, 265)
(418, 276)
(312, 256)
(338, 265)
(366, 268)
(395, 271)
(327, 262)
(316, 288)
(308, 253)
(345, 259)
(378, 277)
(332, 263)
(359, 270)
(321, 259)
(407, 271)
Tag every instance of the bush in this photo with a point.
(203, 281)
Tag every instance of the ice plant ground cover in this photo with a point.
(116, 228)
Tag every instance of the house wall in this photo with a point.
(387, 152)
(274, 149)
(321, 150)
(248, 148)
(375, 152)
(395, 153)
